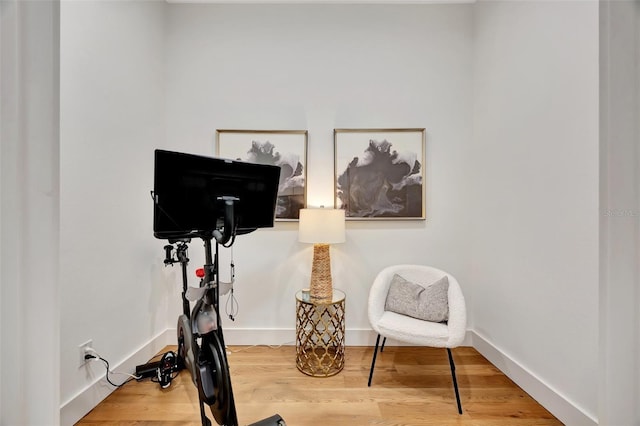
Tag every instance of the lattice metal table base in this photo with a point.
(320, 335)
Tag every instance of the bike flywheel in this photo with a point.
(214, 372)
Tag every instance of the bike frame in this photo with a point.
(209, 367)
(212, 297)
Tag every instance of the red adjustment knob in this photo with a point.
(200, 272)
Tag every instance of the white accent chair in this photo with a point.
(415, 331)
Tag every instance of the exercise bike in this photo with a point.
(201, 348)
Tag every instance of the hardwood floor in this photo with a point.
(411, 386)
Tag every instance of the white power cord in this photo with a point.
(93, 355)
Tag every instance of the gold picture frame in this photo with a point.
(379, 173)
(284, 148)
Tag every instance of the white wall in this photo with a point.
(113, 288)
(29, 118)
(512, 211)
(619, 380)
(319, 68)
(126, 78)
(535, 205)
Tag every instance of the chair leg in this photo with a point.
(455, 382)
(383, 342)
(373, 362)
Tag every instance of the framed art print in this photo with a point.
(379, 173)
(284, 148)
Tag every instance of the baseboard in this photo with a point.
(286, 336)
(262, 336)
(561, 407)
(78, 406)
(282, 336)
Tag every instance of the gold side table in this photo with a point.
(320, 335)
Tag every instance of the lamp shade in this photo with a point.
(321, 226)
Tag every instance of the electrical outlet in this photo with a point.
(83, 351)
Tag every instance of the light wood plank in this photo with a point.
(411, 386)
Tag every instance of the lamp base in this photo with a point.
(321, 286)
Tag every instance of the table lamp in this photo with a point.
(321, 227)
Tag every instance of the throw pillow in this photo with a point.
(426, 303)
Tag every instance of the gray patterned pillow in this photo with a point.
(426, 303)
